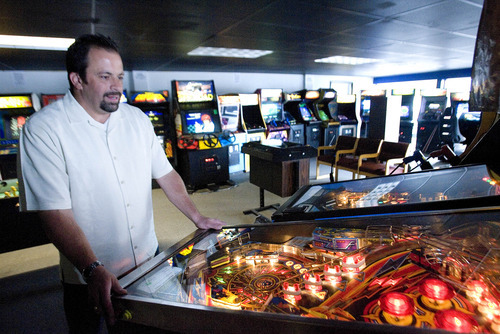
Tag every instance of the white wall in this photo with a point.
(56, 82)
(225, 82)
(38, 82)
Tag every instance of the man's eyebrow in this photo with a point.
(109, 73)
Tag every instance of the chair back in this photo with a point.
(391, 150)
(345, 143)
(367, 145)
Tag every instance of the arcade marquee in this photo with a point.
(414, 271)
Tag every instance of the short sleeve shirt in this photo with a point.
(103, 172)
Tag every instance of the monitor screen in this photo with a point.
(252, 117)
(229, 117)
(305, 112)
(195, 91)
(462, 107)
(365, 107)
(270, 112)
(432, 111)
(405, 112)
(155, 117)
(201, 121)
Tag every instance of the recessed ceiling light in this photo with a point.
(37, 43)
(228, 52)
(346, 60)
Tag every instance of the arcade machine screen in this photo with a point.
(201, 122)
(270, 112)
(365, 107)
(229, 106)
(49, 98)
(462, 107)
(305, 112)
(251, 114)
(405, 112)
(433, 111)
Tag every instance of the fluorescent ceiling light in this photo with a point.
(37, 43)
(346, 60)
(228, 52)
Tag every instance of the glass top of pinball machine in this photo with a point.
(450, 188)
(430, 271)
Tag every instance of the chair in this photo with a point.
(327, 154)
(389, 161)
(350, 161)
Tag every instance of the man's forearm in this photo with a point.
(63, 231)
(173, 186)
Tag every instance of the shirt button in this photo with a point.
(128, 205)
(114, 158)
(122, 182)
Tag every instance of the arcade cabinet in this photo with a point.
(325, 109)
(202, 161)
(373, 114)
(14, 111)
(469, 123)
(230, 111)
(271, 106)
(429, 120)
(346, 115)
(449, 128)
(297, 129)
(252, 121)
(18, 229)
(156, 106)
(406, 114)
(301, 110)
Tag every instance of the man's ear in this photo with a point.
(76, 80)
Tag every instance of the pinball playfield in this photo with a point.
(391, 275)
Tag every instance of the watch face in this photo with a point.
(87, 272)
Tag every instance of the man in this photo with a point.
(87, 162)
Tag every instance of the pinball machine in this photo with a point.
(431, 266)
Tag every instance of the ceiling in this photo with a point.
(406, 36)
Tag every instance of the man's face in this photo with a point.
(101, 92)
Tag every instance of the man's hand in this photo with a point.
(101, 285)
(205, 223)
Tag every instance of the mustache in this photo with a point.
(112, 94)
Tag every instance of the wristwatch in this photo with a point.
(89, 270)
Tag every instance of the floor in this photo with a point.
(30, 292)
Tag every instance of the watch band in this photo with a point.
(89, 270)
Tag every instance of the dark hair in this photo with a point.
(77, 54)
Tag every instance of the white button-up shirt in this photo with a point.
(103, 172)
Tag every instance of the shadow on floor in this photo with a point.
(32, 303)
